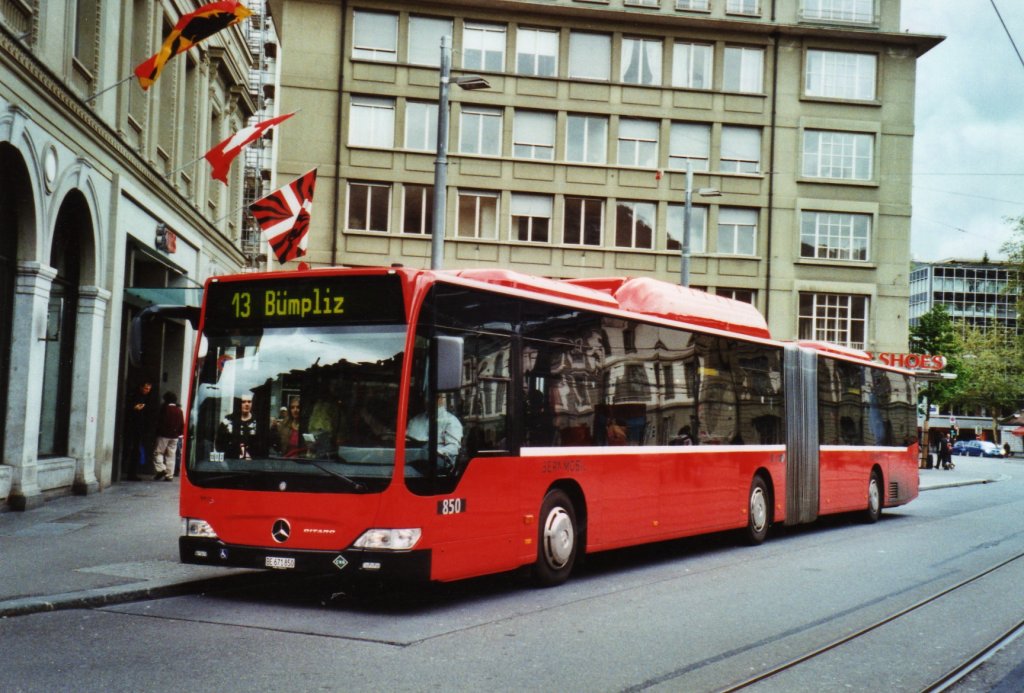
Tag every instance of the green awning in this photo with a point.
(170, 296)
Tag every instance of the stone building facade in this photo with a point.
(106, 209)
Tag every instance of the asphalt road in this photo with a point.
(692, 615)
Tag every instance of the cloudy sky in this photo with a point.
(969, 143)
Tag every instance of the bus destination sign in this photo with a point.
(305, 301)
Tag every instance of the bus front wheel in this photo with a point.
(556, 540)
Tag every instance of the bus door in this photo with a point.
(470, 478)
(802, 464)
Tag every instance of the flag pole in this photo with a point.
(106, 89)
(184, 166)
(230, 214)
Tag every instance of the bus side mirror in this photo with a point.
(449, 363)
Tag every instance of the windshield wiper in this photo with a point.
(356, 486)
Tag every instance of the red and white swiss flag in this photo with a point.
(221, 156)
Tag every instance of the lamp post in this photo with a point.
(441, 162)
(684, 264)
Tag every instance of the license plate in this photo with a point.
(280, 562)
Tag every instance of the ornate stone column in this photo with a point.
(31, 298)
(86, 385)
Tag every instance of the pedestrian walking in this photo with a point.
(169, 427)
(945, 453)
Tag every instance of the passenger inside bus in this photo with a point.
(289, 441)
(239, 435)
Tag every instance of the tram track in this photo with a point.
(943, 683)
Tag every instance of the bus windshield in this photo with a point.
(297, 408)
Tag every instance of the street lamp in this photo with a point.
(684, 264)
(441, 162)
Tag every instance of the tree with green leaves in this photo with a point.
(1014, 249)
(993, 375)
(936, 334)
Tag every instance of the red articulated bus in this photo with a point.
(413, 424)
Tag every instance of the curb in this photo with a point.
(107, 596)
(963, 482)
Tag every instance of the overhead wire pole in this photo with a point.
(441, 162)
(684, 263)
(1008, 34)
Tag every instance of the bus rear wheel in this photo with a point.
(556, 540)
(758, 512)
(874, 509)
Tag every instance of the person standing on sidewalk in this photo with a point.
(140, 419)
(170, 424)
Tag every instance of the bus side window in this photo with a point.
(485, 393)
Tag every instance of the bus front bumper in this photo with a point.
(352, 563)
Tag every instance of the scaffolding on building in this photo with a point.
(261, 38)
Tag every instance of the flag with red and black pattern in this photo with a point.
(283, 216)
(190, 30)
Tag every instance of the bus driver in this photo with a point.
(449, 433)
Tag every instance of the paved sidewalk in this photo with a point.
(116, 546)
(122, 544)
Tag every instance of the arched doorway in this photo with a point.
(16, 214)
(59, 360)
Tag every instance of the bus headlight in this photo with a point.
(192, 527)
(389, 539)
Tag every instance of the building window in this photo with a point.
(750, 7)
(634, 224)
(421, 126)
(480, 131)
(691, 65)
(834, 318)
(537, 52)
(854, 11)
(689, 141)
(698, 227)
(701, 5)
(835, 75)
(478, 215)
(834, 236)
(531, 218)
(586, 139)
(418, 209)
(638, 142)
(741, 150)
(483, 47)
(644, 3)
(375, 36)
(368, 206)
(590, 56)
(86, 34)
(425, 39)
(584, 219)
(533, 135)
(641, 61)
(742, 295)
(839, 155)
(371, 122)
(737, 231)
(744, 69)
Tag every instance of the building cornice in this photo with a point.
(33, 75)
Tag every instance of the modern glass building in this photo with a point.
(974, 292)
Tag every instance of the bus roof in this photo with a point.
(638, 295)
